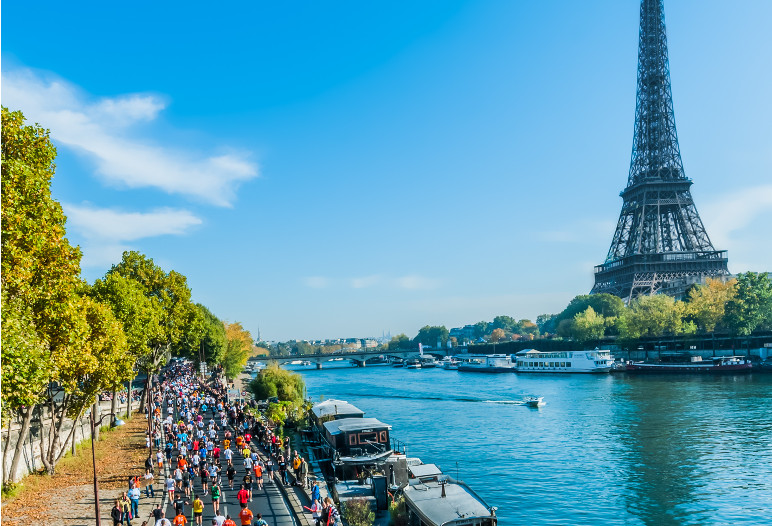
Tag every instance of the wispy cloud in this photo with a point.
(735, 211)
(107, 231)
(739, 222)
(101, 129)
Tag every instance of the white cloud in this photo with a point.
(105, 231)
(739, 222)
(104, 223)
(101, 130)
(736, 211)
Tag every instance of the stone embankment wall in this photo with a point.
(30, 458)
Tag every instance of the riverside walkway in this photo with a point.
(268, 501)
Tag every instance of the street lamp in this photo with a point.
(116, 423)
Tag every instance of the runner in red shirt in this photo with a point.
(242, 496)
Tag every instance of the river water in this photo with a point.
(605, 449)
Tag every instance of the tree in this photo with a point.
(607, 305)
(178, 322)
(497, 335)
(39, 273)
(547, 323)
(213, 339)
(751, 307)
(507, 323)
(589, 325)
(706, 304)
(528, 328)
(238, 344)
(481, 329)
(430, 336)
(655, 315)
(273, 381)
(400, 341)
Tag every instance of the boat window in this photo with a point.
(352, 440)
(382, 437)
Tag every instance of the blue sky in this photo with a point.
(339, 169)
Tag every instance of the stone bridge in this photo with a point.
(360, 358)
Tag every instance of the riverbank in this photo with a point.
(67, 498)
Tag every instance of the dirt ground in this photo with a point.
(67, 498)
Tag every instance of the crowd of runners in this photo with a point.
(202, 445)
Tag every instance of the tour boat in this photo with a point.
(449, 363)
(694, 364)
(533, 361)
(487, 363)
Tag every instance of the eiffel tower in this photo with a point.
(660, 243)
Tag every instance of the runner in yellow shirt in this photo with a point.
(198, 509)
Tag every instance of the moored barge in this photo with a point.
(695, 364)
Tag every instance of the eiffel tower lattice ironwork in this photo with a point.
(660, 243)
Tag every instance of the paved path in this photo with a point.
(268, 501)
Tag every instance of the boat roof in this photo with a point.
(425, 470)
(334, 407)
(527, 351)
(459, 502)
(346, 425)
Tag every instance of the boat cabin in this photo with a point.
(434, 499)
(334, 410)
(366, 439)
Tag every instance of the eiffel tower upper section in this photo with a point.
(660, 243)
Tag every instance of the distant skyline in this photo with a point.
(347, 169)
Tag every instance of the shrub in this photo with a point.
(357, 512)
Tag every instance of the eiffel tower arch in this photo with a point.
(660, 243)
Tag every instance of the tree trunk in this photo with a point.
(96, 410)
(113, 404)
(143, 398)
(128, 401)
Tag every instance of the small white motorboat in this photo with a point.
(534, 401)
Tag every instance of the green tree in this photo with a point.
(429, 335)
(607, 305)
(39, 274)
(751, 307)
(213, 338)
(589, 325)
(527, 328)
(655, 315)
(400, 341)
(547, 323)
(178, 321)
(274, 381)
(481, 329)
(506, 323)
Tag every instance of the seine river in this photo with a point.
(605, 449)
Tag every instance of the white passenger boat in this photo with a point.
(533, 361)
(487, 363)
(449, 363)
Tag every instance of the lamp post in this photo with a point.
(95, 423)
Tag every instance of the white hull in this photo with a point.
(532, 361)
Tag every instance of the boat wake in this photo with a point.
(435, 398)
